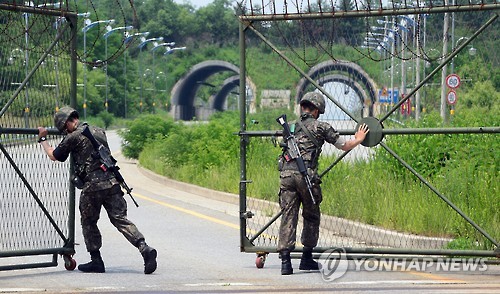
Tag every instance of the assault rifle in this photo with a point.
(108, 163)
(293, 152)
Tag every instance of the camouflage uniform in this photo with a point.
(100, 189)
(293, 188)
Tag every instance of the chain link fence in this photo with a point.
(378, 65)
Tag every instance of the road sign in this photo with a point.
(406, 106)
(387, 96)
(453, 81)
(451, 97)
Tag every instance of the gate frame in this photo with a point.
(68, 250)
(373, 138)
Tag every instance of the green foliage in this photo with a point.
(447, 150)
(106, 117)
(482, 95)
(143, 129)
(464, 244)
(94, 121)
(207, 154)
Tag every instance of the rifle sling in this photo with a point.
(308, 133)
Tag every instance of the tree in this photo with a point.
(220, 24)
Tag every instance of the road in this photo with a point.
(197, 239)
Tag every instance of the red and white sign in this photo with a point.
(453, 81)
(451, 97)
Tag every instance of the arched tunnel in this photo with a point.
(344, 72)
(184, 91)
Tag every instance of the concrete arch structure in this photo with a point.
(358, 88)
(184, 91)
(230, 85)
(344, 72)
(227, 86)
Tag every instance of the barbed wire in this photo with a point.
(322, 25)
(27, 30)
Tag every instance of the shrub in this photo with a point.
(144, 129)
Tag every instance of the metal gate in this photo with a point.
(305, 36)
(37, 76)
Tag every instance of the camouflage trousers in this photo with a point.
(293, 192)
(112, 200)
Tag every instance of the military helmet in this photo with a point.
(316, 99)
(62, 116)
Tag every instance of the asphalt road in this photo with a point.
(197, 239)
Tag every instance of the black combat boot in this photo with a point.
(307, 263)
(149, 254)
(96, 265)
(286, 263)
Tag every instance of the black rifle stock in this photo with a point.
(108, 162)
(293, 150)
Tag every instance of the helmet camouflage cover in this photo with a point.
(316, 99)
(61, 117)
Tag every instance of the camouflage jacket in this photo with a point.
(321, 131)
(87, 164)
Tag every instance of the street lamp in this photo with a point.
(143, 43)
(404, 33)
(153, 50)
(472, 51)
(128, 39)
(402, 27)
(88, 25)
(164, 76)
(392, 37)
(171, 50)
(106, 35)
(168, 52)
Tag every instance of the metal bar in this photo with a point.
(304, 74)
(266, 226)
(33, 252)
(372, 250)
(440, 66)
(407, 258)
(28, 266)
(32, 192)
(259, 133)
(433, 189)
(37, 10)
(31, 265)
(24, 131)
(478, 130)
(71, 201)
(370, 13)
(243, 140)
(32, 72)
(405, 131)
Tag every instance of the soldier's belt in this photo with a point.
(292, 165)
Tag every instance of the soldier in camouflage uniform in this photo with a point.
(99, 188)
(310, 135)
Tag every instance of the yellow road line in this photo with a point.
(206, 217)
(191, 212)
(436, 277)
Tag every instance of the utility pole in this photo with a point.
(443, 71)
